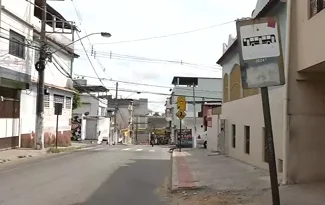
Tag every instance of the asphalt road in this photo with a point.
(117, 175)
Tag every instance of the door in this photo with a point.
(9, 117)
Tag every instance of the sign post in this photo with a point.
(57, 112)
(261, 67)
(181, 106)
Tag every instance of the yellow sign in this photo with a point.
(181, 103)
(181, 114)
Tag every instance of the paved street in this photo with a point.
(119, 175)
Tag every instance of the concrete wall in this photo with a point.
(91, 105)
(213, 133)
(28, 116)
(311, 42)
(306, 97)
(248, 112)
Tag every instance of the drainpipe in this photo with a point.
(286, 126)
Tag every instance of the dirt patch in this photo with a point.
(207, 197)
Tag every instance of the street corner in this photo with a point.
(182, 177)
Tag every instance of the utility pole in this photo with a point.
(136, 131)
(194, 110)
(40, 67)
(116, 109)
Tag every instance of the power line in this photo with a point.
(90, 60)
(169, 35)
(144, 84)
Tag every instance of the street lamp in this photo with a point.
(103, 34)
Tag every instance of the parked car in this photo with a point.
(202, 139)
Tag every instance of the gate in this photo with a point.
(9, 117)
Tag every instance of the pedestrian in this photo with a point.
(152, 139)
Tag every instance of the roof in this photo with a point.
(91, 89)
(269, 5)
(48, 85)
(185, 80)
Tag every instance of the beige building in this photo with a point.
(297, 108)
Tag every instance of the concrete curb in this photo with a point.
(35, 159)
(181, 176)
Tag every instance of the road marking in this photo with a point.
(138, 150)
(152, 150)
(126, 149)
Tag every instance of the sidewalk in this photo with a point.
(10, 155)
(217, 176)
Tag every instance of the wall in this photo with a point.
(244, 107)
(311, 42)
(306, 97)
(213, 133)
(89, 104)
(28, 116)
(248, 112)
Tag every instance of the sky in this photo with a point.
(129, 20)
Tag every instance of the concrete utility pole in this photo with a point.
(40, 67)
(194, 110)
(116, 110)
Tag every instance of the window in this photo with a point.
(233, 131)
(316, 6)
(68, 102)
(46, 100)
(247, 139)
(265, 147)
(16, 44)
(58, 99)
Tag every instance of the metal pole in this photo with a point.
(269, 134)
(194, 110)
(180, 135)
(40, 67)
(116, 109)
(57, 131)
(136, 131)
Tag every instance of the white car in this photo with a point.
(202, 139)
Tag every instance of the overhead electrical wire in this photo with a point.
(169, 35)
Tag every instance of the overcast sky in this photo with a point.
(136, 19)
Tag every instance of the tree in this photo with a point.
(76, 100)
(156, 114)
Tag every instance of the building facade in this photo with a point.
(297, 108)
(20, 28)
(242, 108)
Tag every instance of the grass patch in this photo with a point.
(62, 149)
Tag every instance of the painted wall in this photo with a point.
(303, 26)
(9, 22)
(28, 116)
(306, 97)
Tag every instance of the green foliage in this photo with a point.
(76, 100)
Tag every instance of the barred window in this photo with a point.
(316, 6)
(68, 102)
(16, 44)
(47, 100)
(58, 99)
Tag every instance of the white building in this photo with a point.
(20, 28)
(205, 90)
(242, 108)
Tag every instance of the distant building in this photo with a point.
(205, 89)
